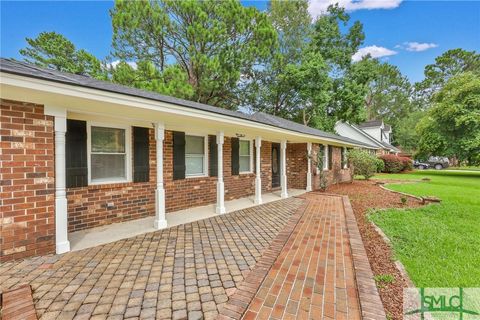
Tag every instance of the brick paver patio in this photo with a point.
(299, 258)
(183, 271)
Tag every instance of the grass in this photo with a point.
(473, 168)
(382, 279)
(439, 243)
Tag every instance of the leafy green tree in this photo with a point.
(452, 125)
(52, 50)
(449, 64)
(404, 133)
(209, 43)
(388, 96)
(336, 42)
(271, 86)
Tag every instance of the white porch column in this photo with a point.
(283, 168)
(309, 167)
(220, 185)
(258, 171)
(61, 215)
(160, 221)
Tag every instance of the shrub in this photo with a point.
(380, 165)
(407, 164)
(363, 163)
(395, 164)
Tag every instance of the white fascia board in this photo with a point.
(367, 136)
(139, 102)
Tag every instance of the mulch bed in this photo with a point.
(366, 195)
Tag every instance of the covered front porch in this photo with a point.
(110, 233)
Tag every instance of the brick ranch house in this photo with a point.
(78, 153)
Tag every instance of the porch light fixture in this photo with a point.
(240, 135)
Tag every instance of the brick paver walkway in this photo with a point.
(316, 270)
(290, 259)
(189, 270)
(313, 276)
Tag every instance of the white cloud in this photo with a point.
(317, 7)
(373, 51)
(115, 63)
(417, 46)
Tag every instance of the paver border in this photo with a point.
(17, 303)
(369, 298)
(239, 301)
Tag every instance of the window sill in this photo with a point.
(196, 176)
(245, 172)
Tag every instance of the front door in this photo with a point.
(275, 165)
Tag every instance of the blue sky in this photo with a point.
(409, 34)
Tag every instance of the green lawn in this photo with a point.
(439, 244)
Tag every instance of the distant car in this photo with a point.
(420, 165)
(438, 163)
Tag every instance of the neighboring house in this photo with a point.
(374, 133)
(78, 153)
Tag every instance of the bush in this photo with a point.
(380, 165)
(407, 163)
(363, 163)
(395, 164)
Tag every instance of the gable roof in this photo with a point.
(370, 124)
(32, 71)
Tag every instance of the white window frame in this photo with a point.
(250, 155)
(205, 155)
(325, 157)
(128, 152)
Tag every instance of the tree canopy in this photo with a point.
(452, 125)
(210, 44)
(281, 62)
(53, 50)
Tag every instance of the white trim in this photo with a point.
(128, 153)
(220, 208)
(283, 169)
(309, 167)
(144, 103)
(160, 221)
(61, 208)
(250, 147)
(325, 157)
(205, 156)
(258, 170)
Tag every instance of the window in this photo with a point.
(245, 156)
(195, 155)
(109, 149)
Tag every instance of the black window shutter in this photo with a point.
(141, 163)
(178, 155)
(235, 156)
(212, 156)
(76, 154)
(330, 157)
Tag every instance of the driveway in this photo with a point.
(184, 271)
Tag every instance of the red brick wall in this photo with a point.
(191, 192)
(27, 223)
(336, 175)
(98, 205)
(297, 165)
(87, 206)
(266, 166)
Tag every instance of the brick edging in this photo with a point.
(238, 302)
(18, 304)
(369, 298)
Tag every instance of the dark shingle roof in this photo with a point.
(33, 71)
(370, 123)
